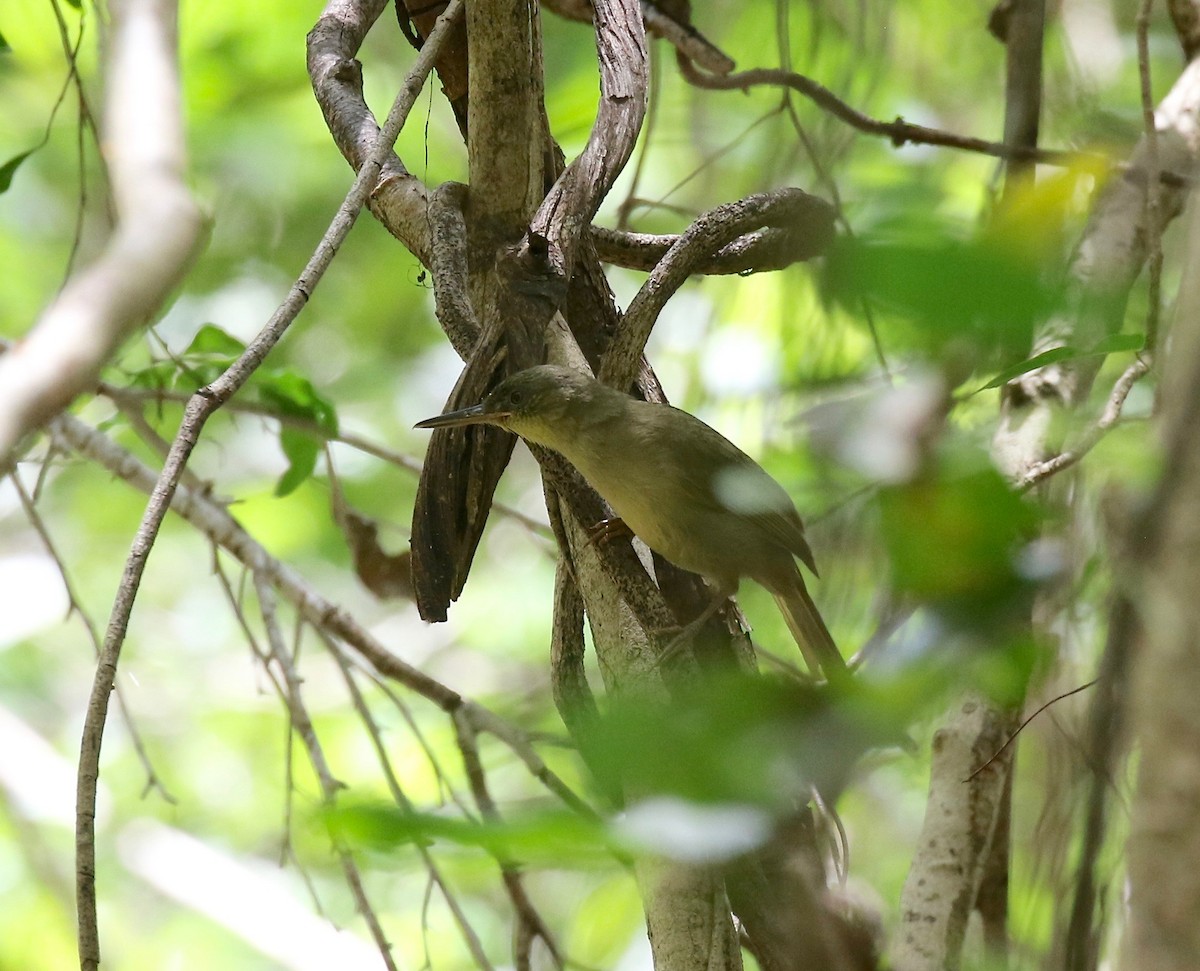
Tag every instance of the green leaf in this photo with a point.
(1115, 343)
(211, 340)
(1064, 353)
(293, 394)
(5, 47)
(552, 836)
(301, 450)
(77, 4)
(958, 299)
(954, 541)
(158, 376)
(209, 354)
(734, 739)
(9, 169)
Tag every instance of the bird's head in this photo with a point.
(538, 404)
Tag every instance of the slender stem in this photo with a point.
(202, 405)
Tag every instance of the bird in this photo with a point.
(679, 485)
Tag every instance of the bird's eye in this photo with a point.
(516, 397)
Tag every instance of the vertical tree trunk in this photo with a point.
(1164, 843)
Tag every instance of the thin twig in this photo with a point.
(710, 231)
(221, 528)
(835, 198)
(470, 938)
(446, 787)
(1013, 737)
(484, 720)
(287, 848)
(361, 443)
(900, 132)
(199, 409)
(301, 724)
(1090, 438)
(153, 440)
(530, 922)
(736, 143)
(86, 120)
(75, 606)
(823, 173)
(1153, 203)
(1107, 724)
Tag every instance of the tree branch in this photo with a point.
(398, 199)
(202, 405)
(949, 863)
(148, 253)
(1185, 15)
(1164, 837)
(899, 132)
(1107, 262)
(704, 237)
(301, 723)
(515, 302)
(772, 248)
(624, 78)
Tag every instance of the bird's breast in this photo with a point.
(648, 492)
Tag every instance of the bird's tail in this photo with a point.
(807, 626)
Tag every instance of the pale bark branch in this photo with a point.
(1090, 437)
(158, 226)
(1107, 262)
(955, 842)
(624, 78)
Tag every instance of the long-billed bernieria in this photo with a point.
(687, 491)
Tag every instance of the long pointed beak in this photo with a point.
(475, 415)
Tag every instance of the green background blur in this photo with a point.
(196, 882)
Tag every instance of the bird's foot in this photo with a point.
(607, 530)
(676, 645)
(681, 640)
(688, 633)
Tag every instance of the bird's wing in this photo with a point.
(743, 487)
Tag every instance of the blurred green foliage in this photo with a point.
(933, 278)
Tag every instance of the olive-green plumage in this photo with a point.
(687, 491)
